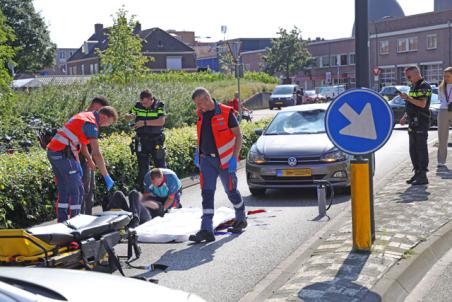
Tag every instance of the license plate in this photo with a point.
(294, 172)
(279, 103)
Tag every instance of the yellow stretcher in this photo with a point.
(84, 241)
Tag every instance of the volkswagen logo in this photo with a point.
(292, 161)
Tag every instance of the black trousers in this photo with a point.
(89, 184)
(418, 148)
(147, 148)
(133, 204)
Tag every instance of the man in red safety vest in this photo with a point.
(63, 154)
(219, 143)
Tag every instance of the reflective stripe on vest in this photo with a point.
(71, 134)
(222, 134)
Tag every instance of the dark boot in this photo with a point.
(413, 178)
(202, 235)
(421, 179)
(238, 227)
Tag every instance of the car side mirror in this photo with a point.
(259, 131)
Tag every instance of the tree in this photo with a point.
(35, 51)
(123, 61)
(226, 60)
(288, 54)
(6, 56)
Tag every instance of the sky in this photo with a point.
(72, 22)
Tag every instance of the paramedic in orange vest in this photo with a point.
(219, 143)
(63, 153)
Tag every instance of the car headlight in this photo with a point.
(333, 156)
(255, 157)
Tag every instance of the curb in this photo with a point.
(286, 269)
(404, 276)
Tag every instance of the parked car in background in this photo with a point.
(284, 96)
(389, 92)
(397, 105)
(294, 151)
(331, 92)
(311, 97)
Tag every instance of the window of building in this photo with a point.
(325, 61)
(96, 68)
(62, 55)
(432, 41)
(174, 63)
(407, 44)
(334, 60)
(82, 68)
(91, 68)
(384, 47)
(432, 73)
(351, 59)
(344, 60)
(160, 44)
(388, 76)
(401, 75)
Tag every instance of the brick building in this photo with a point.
(424, 40)
(168, 50)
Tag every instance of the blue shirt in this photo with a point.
(170, 185)
(91, 130)
(207, 144)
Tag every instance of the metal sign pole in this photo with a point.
(362, 79)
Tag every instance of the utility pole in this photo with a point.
(362, 79)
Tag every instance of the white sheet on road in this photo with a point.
(179, 224)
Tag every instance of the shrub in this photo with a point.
(28, 193)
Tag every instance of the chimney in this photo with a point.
(98, 27)
(137, 28)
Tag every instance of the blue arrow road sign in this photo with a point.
(359, 121)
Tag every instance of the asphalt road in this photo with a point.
(230, 267)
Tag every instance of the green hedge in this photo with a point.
(28, 193)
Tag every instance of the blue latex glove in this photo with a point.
(232, 165)
(109, 182)
(196, 159)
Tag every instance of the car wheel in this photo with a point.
(279, 108)
(257, 191)
(271, 108)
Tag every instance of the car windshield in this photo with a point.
(435, 99)
(297, 122)
(404, 89)
(283, 90)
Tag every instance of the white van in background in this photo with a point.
(331, 92)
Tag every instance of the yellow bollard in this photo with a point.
(362, 239)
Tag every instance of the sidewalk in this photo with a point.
(405, 216)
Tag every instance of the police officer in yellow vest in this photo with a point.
(417, 116)
(149, 115)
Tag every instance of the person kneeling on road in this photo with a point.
(162, 191)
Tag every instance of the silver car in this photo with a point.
(294, 151)
(33, 284)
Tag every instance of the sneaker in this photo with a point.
(238, 226)
(441, 165)
(202, 235)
